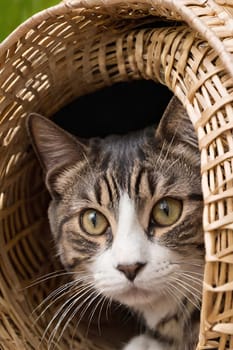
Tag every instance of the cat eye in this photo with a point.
(93, 222)
(167, 211)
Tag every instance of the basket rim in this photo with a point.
(185, 10)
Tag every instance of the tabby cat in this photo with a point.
(127, 209)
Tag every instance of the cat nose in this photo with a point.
(132, 270)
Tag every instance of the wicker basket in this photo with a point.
(79, 47)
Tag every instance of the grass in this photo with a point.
(14, 12)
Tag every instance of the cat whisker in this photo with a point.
(193, 264)
(45, 278)
(105, 300)
(83, 290)
(76, 298)
(96, 295)
(191, 287)
(84, 311)
(169, 147)
(183, 309)
(186, 291)
(100, 302)
(189, 277)
(178, 301)
(62, 295)
(93, 174)
(53, 275)
(187, 288)
(177, 160)
(108, 308)
(55, 295)
(160, 154)
(58, 291)
(63, 312)
(190, 273)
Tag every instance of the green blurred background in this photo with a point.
(14, 12)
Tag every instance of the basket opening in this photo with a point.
(118, 109)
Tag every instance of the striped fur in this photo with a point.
(155, 270)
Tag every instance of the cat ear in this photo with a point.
(176, 125)
(56, 149)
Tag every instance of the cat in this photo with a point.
(127, 209)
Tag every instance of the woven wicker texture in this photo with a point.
(94, 44)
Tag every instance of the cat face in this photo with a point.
(126, 210)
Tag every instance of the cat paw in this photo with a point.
(142, 342)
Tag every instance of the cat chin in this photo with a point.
(135, 297)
